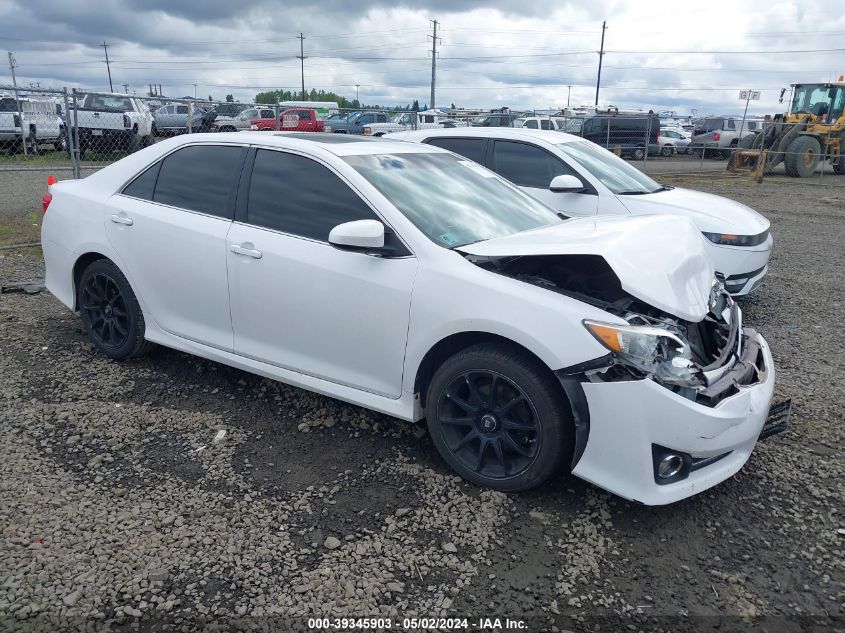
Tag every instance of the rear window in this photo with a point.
(472, 148)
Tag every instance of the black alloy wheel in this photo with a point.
(498, 417)
(104, 308)
(489, 424)
(110, 311)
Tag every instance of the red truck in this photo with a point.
(293, 120)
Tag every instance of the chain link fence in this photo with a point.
(70, 133)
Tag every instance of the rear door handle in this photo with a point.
(122, 219)
(249, 252)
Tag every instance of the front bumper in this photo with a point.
(629, 418)
(743, 267)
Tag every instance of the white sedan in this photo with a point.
(408, 280)
(579, 178)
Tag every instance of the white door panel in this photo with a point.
(176, 262)
(312, 308)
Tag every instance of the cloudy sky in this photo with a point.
(661, 55)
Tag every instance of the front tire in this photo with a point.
(802, 157)
(666, 151)
(110, 311)
(498, 417)
(638, 153)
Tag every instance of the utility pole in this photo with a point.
(301, 56)
(108, 66)
(12, 64)
(601, 55)
(126, 88)
(195, 91)
(568, 94)
(356, 92)
(434, 39)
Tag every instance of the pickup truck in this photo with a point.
(37, 119)
(354, 123)
(293, 120)
(109, 122)
(430, 119)
(241, 120)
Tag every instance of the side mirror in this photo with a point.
(363, 235)
(566, 183)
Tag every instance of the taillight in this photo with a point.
(17, 120)
(126, 121)
(47, 198)
(717, 136)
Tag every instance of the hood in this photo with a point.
(661, 260)
(710, 213)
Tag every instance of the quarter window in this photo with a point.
(143, 186)
(200, 178)
(472, 148)
(297, 195)
(526, 165)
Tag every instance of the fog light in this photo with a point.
(670, 466)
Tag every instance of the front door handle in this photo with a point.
(122, 219)
(249, 252)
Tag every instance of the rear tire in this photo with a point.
(110, 311)
(666, 150)
(498, 417)
(638, 153)
(802, 157)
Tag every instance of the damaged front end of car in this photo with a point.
(704, 361)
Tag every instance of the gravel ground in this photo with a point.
(118, 511)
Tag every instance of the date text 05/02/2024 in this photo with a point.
(382, 624)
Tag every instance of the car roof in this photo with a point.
(516, 133)
(338, 144)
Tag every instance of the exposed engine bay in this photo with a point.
(703, 361)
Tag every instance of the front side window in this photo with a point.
(545, 124)
(613, 172)
(181, 109)
(531, 124)
(200, 178)
(451, 200)
(249, 114)
(297, 195)
(526, 165)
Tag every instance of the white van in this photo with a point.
(324, 108)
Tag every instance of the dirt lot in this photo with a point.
(117, 510)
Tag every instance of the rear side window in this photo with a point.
(472, 148)
(143, 186)
(526, 165)
(297, 195)
(200, 178)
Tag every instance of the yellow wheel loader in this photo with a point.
(811, 132)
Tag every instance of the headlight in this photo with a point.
(651, 350)
(731, 239)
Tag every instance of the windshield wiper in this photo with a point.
(662, 188)
(633, 193)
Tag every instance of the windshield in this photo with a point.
(815, 99)
(613, 172)
(453, 201)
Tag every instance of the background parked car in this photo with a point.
(354, 123)
(673, 142)
(173, 119)
(716, 136)
(37, 118)
(241, 120)
(632, 134)
(542, 123)
(293, 120)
